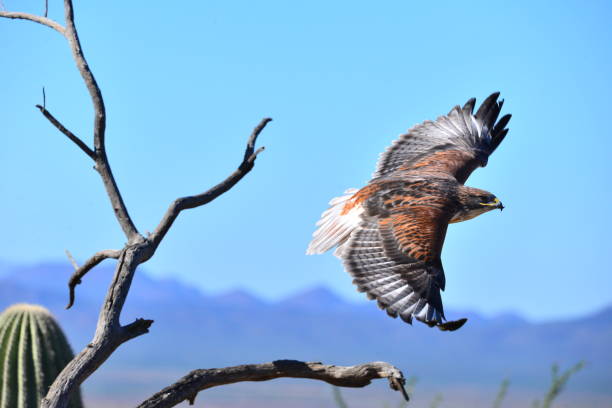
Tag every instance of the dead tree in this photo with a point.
(110, 333)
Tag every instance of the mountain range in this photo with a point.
(197, 330)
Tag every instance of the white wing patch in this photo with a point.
(334, 227)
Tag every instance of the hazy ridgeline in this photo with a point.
(453, 369)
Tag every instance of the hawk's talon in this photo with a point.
(452, 325)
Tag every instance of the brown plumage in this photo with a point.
(390, 233)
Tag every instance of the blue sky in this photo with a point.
(185, 85)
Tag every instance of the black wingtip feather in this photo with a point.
(500, 137)
(486, 106)
(488, 113)
(469, 106)
(501, 124)
(491, 116)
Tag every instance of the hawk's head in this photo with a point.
(474, 202)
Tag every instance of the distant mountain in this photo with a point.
(195, 330)
(317, 298)
(238, 298)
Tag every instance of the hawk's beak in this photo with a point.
(498, 204)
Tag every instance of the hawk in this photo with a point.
(390, 233)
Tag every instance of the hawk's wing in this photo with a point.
(395, 259)
(454, 144)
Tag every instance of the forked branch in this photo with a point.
(187, 388)
(188, 202)
(99, 131)
(99, 153)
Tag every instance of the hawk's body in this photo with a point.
(390, 233)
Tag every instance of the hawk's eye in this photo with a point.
(487, 200)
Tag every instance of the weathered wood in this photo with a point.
(74, 138)
(32, 17)
(80, 271)
(187, 388)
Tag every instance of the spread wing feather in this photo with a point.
(387, 281)
(455, 144)
(395, 259)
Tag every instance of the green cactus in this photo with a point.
(33, 351)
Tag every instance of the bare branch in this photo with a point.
(88, 361)
(102, 165)
(73, 261)
(353, 376)
(68, 133)
(110, 334)
(189, 202)
(37, 19)
(79, 272)
(253, 139)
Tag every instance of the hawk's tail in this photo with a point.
(334, 226)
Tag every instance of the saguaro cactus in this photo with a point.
(33, 351)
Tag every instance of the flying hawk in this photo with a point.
(390, 233)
